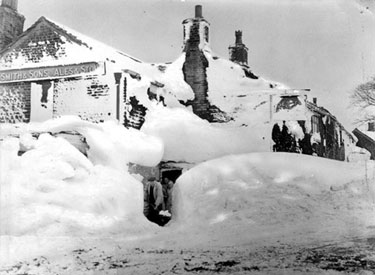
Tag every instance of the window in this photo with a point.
(315, 124)
(206, 33)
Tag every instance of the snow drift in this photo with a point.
(272, 192)
(54, 189)
(188, 138)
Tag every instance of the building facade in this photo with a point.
(50, 70)
(321, 134)
(60, 72)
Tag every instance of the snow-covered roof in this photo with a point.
(74, 36)
(75, 48)
(369, 134)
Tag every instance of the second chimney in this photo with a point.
(315, 100)
(238, 37)
(10, 4)
(198, 11)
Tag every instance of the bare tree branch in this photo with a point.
(363, 97)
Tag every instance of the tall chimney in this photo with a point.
(10, 4)
(198, 11)
(238, 37)
(315, 100)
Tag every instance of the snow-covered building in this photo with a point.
(314, 129)
(51, 70)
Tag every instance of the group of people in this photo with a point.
(286, 142)
(157, 199)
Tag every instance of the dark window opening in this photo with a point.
(206, 33)
(315, 124)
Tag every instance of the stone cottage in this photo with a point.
(50, 70)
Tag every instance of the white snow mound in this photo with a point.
(256, 191)
(53, 189)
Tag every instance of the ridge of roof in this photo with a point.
(86, 40)
(63, 29)
(73, 35)
(361, 133)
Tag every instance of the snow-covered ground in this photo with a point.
(265, 213)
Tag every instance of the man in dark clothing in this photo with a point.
(305, 145)
(276, 136)
(153, 200)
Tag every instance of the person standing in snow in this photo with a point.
(167, 192)
(276, 136)
(153, 200)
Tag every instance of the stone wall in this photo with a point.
(15, 102)
(43, 44)
(135, 117)
(11, 26)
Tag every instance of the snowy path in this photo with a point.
(353, 256)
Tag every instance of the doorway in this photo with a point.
(171, 173)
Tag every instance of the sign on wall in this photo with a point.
(51, 72)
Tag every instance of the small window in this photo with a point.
(315, 124)
(206, 33)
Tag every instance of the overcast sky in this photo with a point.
(325, 45)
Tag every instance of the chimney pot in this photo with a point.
(198, 11)
(315, 100)
(371, 126)
(238, 37)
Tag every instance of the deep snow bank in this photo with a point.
(275, 190)
(54, 189)
(188, 138)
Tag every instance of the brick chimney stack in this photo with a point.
(238, 52)
(196, 40)
(11, 23)
(13, 4)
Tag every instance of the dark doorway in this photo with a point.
(171, 174)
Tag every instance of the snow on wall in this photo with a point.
(15, 102)
(43, 45)
(295, 129)
(175, 88)
(200, 33)
(92, 99)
